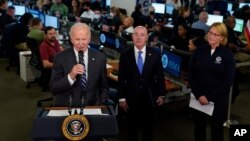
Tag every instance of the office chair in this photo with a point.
(36, 62)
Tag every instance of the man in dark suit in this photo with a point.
(141, 85)
(79, 76)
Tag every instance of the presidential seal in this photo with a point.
(75, 127)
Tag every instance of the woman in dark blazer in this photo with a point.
(211, 74)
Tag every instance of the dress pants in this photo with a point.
(140, 119)
(200, 123)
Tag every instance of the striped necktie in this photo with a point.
(83, 78)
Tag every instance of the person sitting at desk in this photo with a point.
(8, 18)
(201, 23)
(36, 30)
(59, 9)
(88, 13)
(79, 72)
(75, 9)
(127, 26)
(117, 20)
(48, 49)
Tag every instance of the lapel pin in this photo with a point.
(149, 54)
(93, 59)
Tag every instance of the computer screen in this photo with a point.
(35, 13)
(10, 3)
(214, 18)
(20, 10)
(171, 63)
(52, 21)
(112, 41)
(42, 17)
(243, 4)
(169, 9)
(229, 7)
(108, 2)
(239, 25)
(159, 8)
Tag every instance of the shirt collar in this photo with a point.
(85, 53)
(143, 49)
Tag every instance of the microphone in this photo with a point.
(80, 57)
(70, 105)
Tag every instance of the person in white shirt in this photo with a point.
(127, 25)
(88, 13)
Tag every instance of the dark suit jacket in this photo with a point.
(96, 88)
(131, 82)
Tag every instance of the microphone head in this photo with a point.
(80, 52)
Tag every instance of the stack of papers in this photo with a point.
(92, 111)
(195, 104)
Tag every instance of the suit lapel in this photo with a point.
(133, 61)
(91, 66)
(146, 64)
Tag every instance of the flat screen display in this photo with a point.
(52, 21)
(229, 7)
(239, 25)
(214, 18)
(20, 10)
(169, 9)
(243, 4)
(159, 8)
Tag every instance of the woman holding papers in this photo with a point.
(211, 74)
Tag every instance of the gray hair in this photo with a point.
(77, 26)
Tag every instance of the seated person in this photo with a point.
(36, 30)
(88, 13)
(117, 19)
(59, 9)
(217, 7)
(21, 31)
(75, 8)
(8, 18)
(48, 49)
(201, 23)
(127, 26)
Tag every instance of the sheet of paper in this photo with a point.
(195, 104)
(108, 66)
(87, 111)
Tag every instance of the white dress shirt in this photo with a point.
(85, 62)
(143, 55)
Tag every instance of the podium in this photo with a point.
(50, 128)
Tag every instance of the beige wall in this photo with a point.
(129, 5)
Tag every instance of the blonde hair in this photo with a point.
(222, 30)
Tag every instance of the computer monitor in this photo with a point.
(10, 3)
(42, 17)
(171, 63)
(169, 9)
(159, 8)
(35, 13)
(111, 41)
(52, 21)
(243, 4)
(214, 18)
(239, 25)
(86, 20)
(108, 2)
(229, 7)
(20, 10)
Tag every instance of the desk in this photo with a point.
(49, 128)
(170, 86)
(27, 72)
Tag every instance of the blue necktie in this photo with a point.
(140, 61)
(83, 78)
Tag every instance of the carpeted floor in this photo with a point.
(18, 107)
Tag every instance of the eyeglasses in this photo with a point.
(210, 33)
